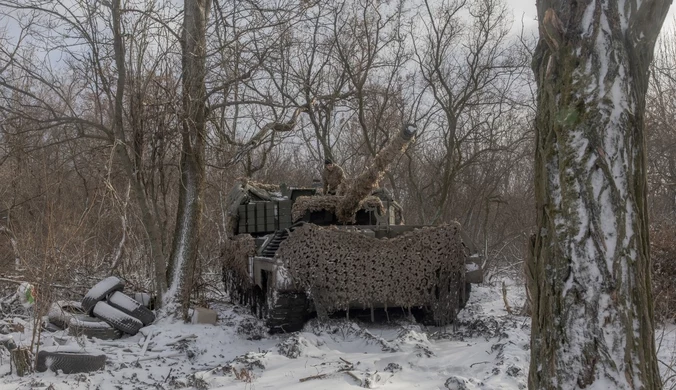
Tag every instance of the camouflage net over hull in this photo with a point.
(343, 269)
(235, 262)
(329, 203)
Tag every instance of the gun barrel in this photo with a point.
(363, 185)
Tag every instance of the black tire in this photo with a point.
(60, 312)
(84, 325)
(127, 304)
(69, 362)
(100, 291)
(7, 342)
(288, 313)
(117, 319)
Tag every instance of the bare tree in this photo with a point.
(193, 124)
(470, 70)
(661, 132)
(88, 98)
(661, 142)
(592, 321)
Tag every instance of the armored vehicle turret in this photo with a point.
(295, 252)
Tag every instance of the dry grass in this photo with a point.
(663, 252)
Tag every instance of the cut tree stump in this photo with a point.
(21, 360)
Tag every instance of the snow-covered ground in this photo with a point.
(489, 349)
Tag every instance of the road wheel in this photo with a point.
(288, 313)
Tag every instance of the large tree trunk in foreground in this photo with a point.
(188, 220)
(592, 324)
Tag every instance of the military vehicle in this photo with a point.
(294, 252)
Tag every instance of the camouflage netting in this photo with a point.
(235, 261)
(362, 186)
(329, 203)
(262, 186)
(342, 269)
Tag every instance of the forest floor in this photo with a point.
(488, 348)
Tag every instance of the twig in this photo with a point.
(473, 364)
(111, 344)
(145, 345)
(309, 378)
(41, 284)
(346, 361)
(669, 367)
(504, 298)
(10, 280)
(171, 355)
(178, 340)
(168, 375)
(358, 379)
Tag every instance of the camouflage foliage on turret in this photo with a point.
(330, 203)
(354, 191)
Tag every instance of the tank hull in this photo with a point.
(338, 269)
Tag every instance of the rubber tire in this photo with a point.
(69, 362)
(100, 291)
(60, 312)
(117, 319)
(288, 313)
(140, 312)
(78, 327)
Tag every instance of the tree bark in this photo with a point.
(148, 218)
(592, 322)
(188, 220)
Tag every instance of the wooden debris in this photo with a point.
(145, 344)
(178, 340)
(309, 378)
(504, 298)
(21, 360)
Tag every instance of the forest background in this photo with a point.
(93, 126)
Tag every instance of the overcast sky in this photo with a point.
(526, 8)
(523, 11)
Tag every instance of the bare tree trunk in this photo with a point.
(188, 220)
(592, 322)
(148, 218)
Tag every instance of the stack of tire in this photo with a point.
(106, 302)
(105, 313)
